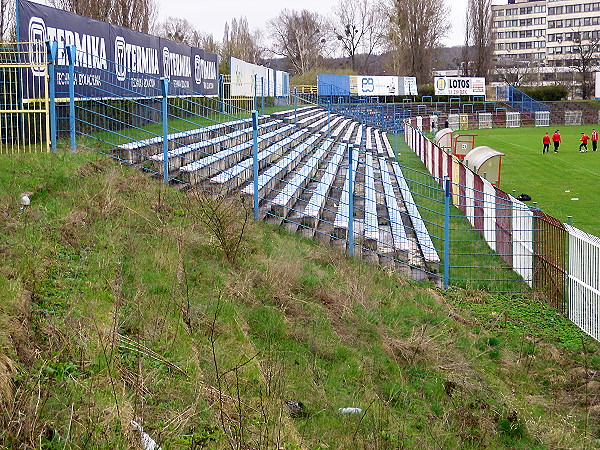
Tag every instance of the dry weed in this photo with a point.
(7, 372)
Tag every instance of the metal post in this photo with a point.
(255, 89)
(71, 54)
(221, 92)
(52, 49)
(165, 126)
(295, 104)
(362, 137)
(447, 232)
(17, 27)
(328, 119)
(255, 160)
(262, 91)
(350, 201)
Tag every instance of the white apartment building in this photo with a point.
(540, 41)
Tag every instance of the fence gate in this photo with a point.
(513, 119)
(542, 118)
(238, 95)
(24, 119)
(573, 117)
(485, 120)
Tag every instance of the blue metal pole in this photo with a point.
(255, 88)
(447, 232)
(52, 49)
(328, 119)
(350, 201)
(17, 25)
(255, 160)
(72, 54)
(221, 92)
(295, 104)
(164, 85)
(363, 144)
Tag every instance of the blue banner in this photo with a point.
(114, 61)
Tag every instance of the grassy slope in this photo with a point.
(116, 303)
(547, 177)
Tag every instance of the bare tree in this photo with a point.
(586, 52)
(414, 32)
(178, 30)
(359, 27)
(240, 43)
(206, 41)
(7, 20)
(515, 73)
(138, 15)
(299, 37)
(478, 39)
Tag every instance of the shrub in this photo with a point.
(552, 93)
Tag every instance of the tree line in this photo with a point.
(402, 34)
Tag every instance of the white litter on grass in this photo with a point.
(574, 198)
(350, 410)
(146, 441)
(567, 192)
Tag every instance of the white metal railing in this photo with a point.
(485, 120)
(542, 118)
(513, 119)
(584, 281)
(573, 117)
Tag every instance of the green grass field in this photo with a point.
(553, 180)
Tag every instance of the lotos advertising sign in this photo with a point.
(459, 86)
(114, 61)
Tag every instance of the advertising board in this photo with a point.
(113, 61)
(459, 86)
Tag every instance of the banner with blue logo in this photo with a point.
(114, 61)
(366, 85)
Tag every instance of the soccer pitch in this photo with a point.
(563, 184)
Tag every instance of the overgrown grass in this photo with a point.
(116, 303)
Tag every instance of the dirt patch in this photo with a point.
(21, 333)
(92, 168)
(74, 225)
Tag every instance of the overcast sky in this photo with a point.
(210, 16)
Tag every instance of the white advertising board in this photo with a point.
(598, 85)
(269, 82)
(459, 86)
(410, 86)
(367, 85)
